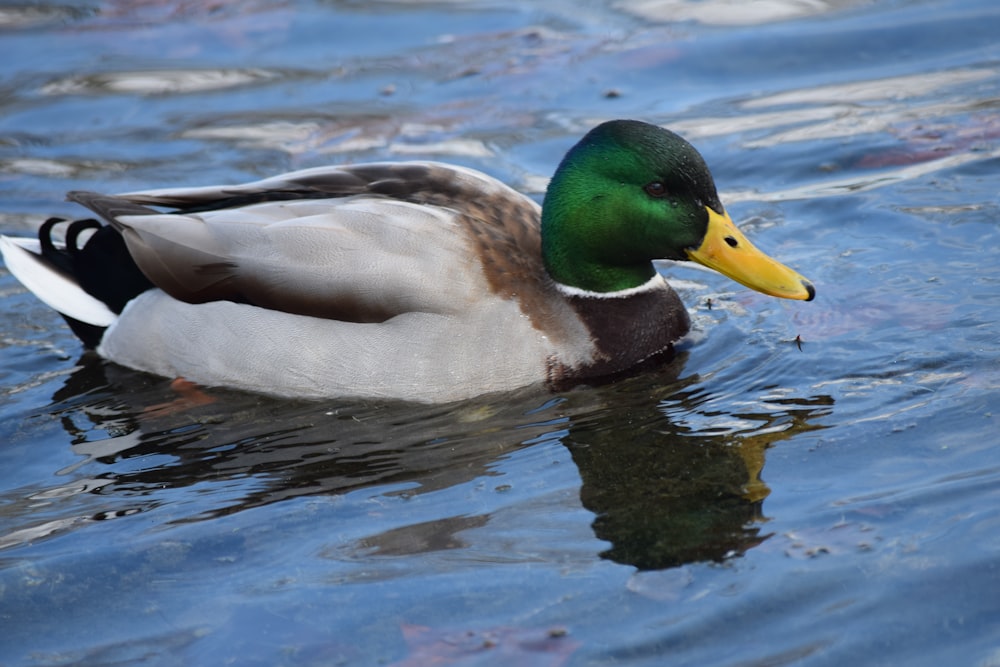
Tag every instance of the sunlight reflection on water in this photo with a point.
(820, 476)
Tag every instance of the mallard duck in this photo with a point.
(416, 280)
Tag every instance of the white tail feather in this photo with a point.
(52, 287)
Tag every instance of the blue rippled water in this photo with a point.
(807, 484)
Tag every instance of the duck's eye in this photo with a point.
(656, 189)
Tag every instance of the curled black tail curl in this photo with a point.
(102, 267)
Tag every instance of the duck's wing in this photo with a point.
(361, 243)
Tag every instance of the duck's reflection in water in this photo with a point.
(664, 493)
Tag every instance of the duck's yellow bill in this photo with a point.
(726, 250)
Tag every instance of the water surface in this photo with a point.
(808, 483)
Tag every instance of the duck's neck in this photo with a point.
(595, 277)
(576, 256)
(656, 282)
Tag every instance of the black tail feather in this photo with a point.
(89, 334)
(103, 267)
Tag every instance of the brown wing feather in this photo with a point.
(108, 207)
(501, 226)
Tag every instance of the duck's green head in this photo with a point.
(630, 192)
